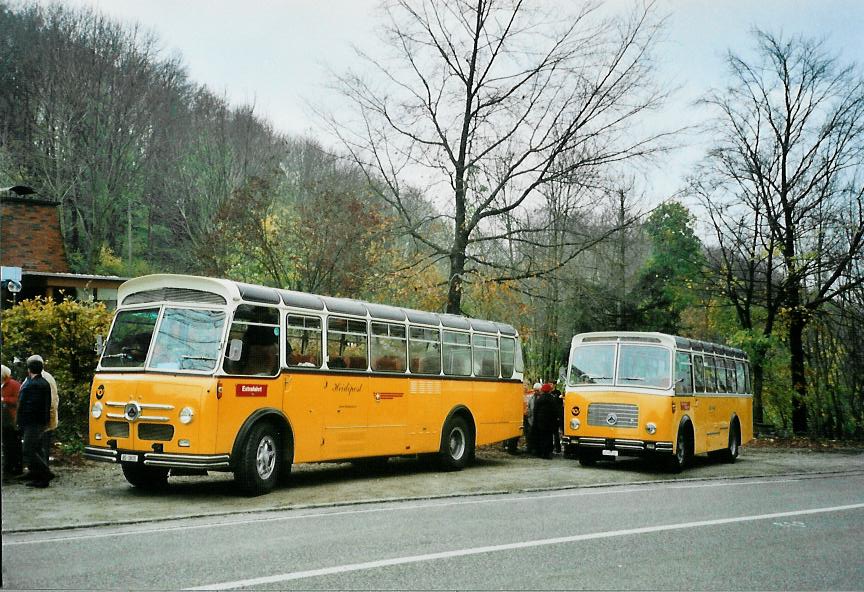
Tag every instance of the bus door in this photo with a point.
(346, 390)
(388, 408)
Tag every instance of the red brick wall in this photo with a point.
(31, 236)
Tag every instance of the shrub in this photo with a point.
(64, 334)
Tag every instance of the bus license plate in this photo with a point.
(610, 453)
(129, 457)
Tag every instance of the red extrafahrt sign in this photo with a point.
(251, 390)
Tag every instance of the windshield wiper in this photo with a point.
(205, 358)
(120, 355)
(633, 378)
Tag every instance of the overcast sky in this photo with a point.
(275, 53)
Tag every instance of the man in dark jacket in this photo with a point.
(545, 416)
(34, 413)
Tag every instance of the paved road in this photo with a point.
(761, 533)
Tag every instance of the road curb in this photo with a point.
(365, 502)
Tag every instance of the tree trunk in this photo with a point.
(457, 269)
(797, 371)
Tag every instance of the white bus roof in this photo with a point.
(204, 290)
(673, 341)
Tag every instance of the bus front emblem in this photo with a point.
(132, 411)
(611, 419)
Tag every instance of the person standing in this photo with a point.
(528, 420)
(545, 419)
(48, 436)
(12, 465)
(559, 421)
(34, 415)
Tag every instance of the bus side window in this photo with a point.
(731, 381)
(710, 375)
(699, 373)
(388, 347)
(457, 353)
(683, 374)
(424, 351)
(259, 355)
(346, 344)
(303, 341)
(508, 357)
(720, 365)
(739, 374)
(485, 356)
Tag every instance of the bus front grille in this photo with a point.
(155, 431)
(618, 415)
(117, 429)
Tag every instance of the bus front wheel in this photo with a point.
(257, 470)
(681, 457)
(144, 477)
(457, 444)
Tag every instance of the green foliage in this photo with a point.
(669, 277)
(64, 334)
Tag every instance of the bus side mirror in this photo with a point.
(100, 345)
(235, 349)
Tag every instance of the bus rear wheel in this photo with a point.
(257, 470)
(144, 477)
(457, 445)
(730, 453)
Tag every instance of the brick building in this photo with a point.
(32, 253)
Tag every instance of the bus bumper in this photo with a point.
(617, 446)
(217, 462)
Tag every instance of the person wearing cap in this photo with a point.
(34, 414)
(12, 464)
(545, 420)
(48, 435)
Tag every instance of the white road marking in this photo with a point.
(134, 530)
(340, 569)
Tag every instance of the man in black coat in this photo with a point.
(34, 413)
(545, 415)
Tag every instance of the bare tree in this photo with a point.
(490, 101)
(784, 184)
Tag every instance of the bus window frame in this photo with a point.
(347, 318)
(501, 339)
(440, 343)
(373, 337)
(689, 357)
(699, 386)
(305, 315)
(474, 350)
(457, 345)
(226, 341)
(220, 353)
(670, 385)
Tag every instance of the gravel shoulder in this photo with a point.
(94, 493)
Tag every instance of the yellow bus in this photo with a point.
(201, 374)
(651, 394)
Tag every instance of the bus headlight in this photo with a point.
(186, 415)
(575, 424)
(96, 412)
(651, 428)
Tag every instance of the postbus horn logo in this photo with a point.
(611, 419)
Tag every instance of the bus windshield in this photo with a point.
(592, 364)
(186, 339)
(638, 365)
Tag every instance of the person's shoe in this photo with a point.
(25, 477)
(40, 484)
